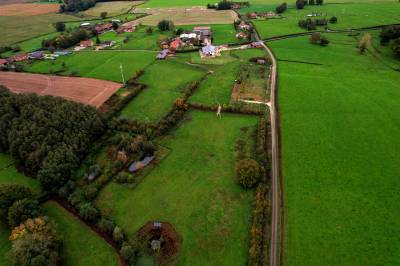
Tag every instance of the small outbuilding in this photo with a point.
(36, 55)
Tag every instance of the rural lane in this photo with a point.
(274, 154)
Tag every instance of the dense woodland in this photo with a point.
(47, 136)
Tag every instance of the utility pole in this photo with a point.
(122, 74)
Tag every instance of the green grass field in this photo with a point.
(165, 81)
(193, 188)
(217, 88)
(222, 33)
(101, 65)
(5, 245)
(349, 16)
(16, 29)
(141, 40)
(112, 8)
(340, 154)
(9, 174)
(81, 246)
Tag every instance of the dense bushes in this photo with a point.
(76, 5)
(281, 8)
(391, 34)
(300, 4)
(66, 40)
(224, 5)
(21, 210)
(248, 172)
(47, 136)
(317, 38)
(165, 25)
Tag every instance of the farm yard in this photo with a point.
(182, 156)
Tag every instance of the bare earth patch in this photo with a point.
(186, 16)
(28, 9)
(83, 90)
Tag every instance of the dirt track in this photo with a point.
(84, 90)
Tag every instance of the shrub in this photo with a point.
(21, 210)
(88, 212)
(224, 5)
(324, 41)
(321, 22)
(364, 43)
(10, 194)
(179, 31)
(149, 30)
(315, 38)
(396, 47)
(307, 24)
(281, 8)
(248, 173)
(60, 26)
(103, 15)
(300, 4)
(311, 2)
(118, 234)
(106, 225)
(320, 2)
(90, 192)
(128, 253)
(389, 33)
(333, 20)
(165, 25)
(122, 177)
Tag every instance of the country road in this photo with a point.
(274, 155)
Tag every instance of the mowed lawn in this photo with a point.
(165, 82)
(194, 189)
(10, 176)
(96, 64)
(350, 15)
(112, 8)
(217, 88)
(81, 246)
(222, 33)
(142, 40)
(340, 154)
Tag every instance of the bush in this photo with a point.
(307, 24)
(396, 47)
(90, 192)
(10, 194)
(118, 234)
(60, 26)
(128, 253)
(389, 33)
(315, 38)
(333, 20)
(248, 173)
(311, 2)
(21, 210)
(324, 41)
(320, 2)
(88, 212)
(122, 177)
(364, 42)
(105, 225)
(149, 30)
(103, 15)
(165, 25)
(300, 4)
(281, 8)
(224, 5)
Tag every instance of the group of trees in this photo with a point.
(66, 40)
(34, 240)
(281, 8)
(47, 136)
(300, 4)
(391, 35)
(76, 5)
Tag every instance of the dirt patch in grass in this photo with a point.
(94, 92)
(28, 9)
(186, 16)
(162, 240)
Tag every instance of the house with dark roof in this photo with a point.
(204, 34)
(36, 55)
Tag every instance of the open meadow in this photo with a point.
(351, 15)
(194, 189)
(340, 153)
(112, 8)
(165, 82)
(81, 246)
(96, 64)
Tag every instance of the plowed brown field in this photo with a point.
(28, 9)
(84, 90)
